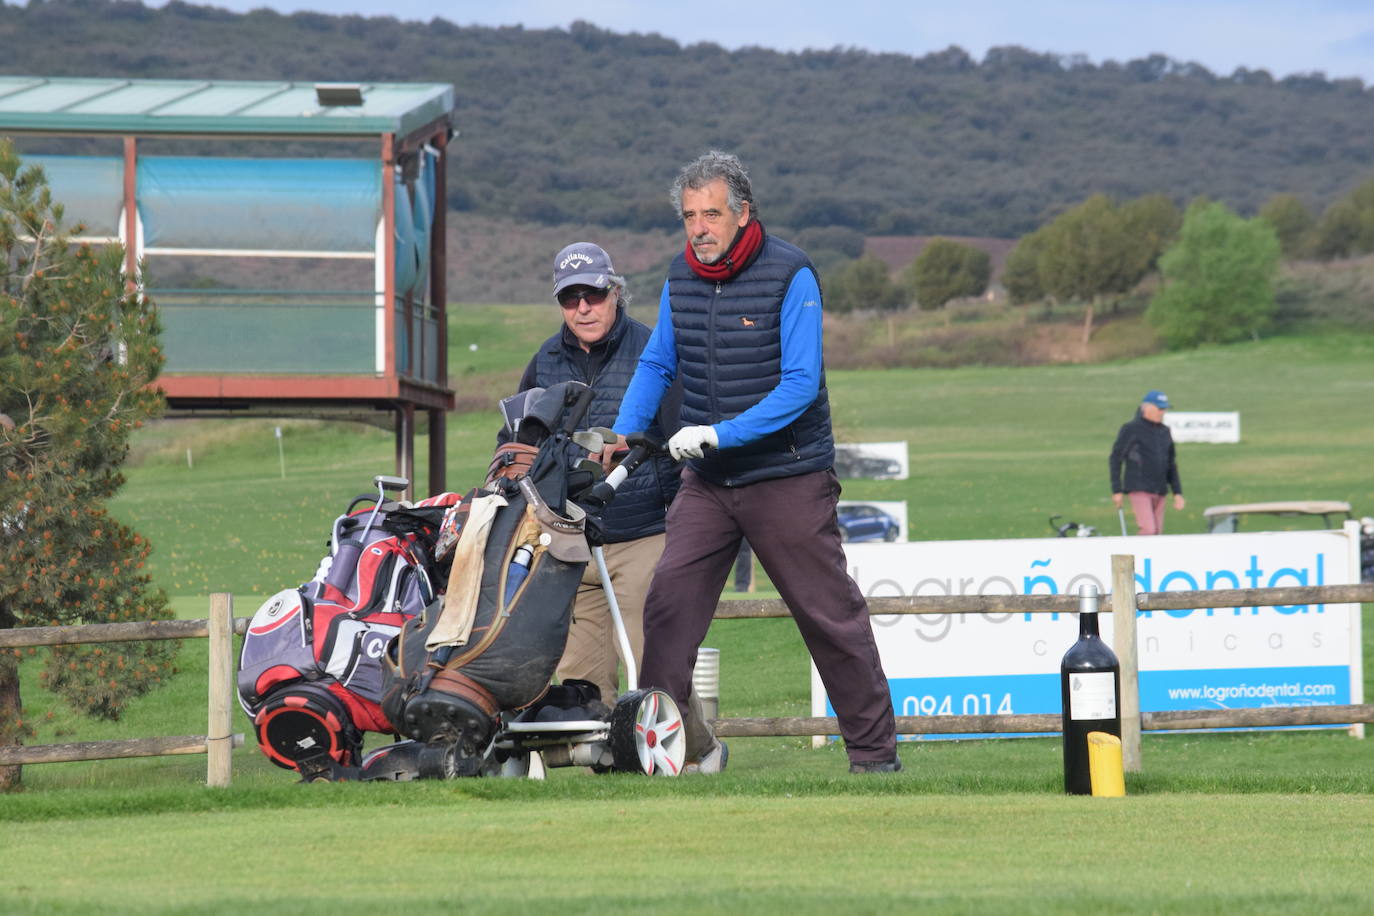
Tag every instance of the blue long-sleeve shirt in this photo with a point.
(800, 332)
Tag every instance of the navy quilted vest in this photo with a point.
(729, 354)
(642, 500)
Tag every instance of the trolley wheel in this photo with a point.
(646, 734)
(439, 760)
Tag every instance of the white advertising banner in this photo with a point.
(1222, 658)
(1217, 426)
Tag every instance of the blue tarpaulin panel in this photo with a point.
(405, 242)
(424, 217)
(90, 189)
(259, 204)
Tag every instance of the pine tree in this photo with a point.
(77, 355)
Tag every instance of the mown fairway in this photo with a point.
(1254, 822)
(393, 848)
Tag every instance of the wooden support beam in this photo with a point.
(1124, 643)
(220, 727)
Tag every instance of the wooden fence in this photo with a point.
(219, 740)
(1122, 603)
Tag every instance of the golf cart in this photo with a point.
(1226, 519)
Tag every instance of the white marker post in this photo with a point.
(281, 454)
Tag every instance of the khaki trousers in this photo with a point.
(593, 653)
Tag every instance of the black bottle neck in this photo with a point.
(1087, 625)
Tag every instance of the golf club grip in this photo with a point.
(578, 411)
(605, 490)
(650, 444)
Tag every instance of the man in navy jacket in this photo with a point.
(740, 327)
(1144, 451)
(599, 344)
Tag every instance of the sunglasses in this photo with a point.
(570, 297)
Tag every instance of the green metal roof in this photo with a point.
(35, 104)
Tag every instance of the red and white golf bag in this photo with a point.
(310, 673)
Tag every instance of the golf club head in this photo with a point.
(593, 440)
(384, 482)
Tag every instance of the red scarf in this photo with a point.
(742, 250)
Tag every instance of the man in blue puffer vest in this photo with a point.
(599, 344)
(740, 327)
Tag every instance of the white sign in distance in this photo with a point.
(1217, 426)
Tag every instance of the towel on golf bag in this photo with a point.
(310, 667)
(454, 625)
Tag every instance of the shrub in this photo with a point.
(1218, 279)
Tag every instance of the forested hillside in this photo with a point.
(584, 126)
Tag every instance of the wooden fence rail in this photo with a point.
(219, 741)
(1123, 603)
(1051, 723)
(750, 608)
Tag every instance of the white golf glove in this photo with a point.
(690, 441)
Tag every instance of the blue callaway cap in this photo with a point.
(581, 264)
(1157, 398)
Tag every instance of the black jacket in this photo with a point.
(1146, 451)
(641, 503)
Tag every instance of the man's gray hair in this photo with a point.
(622, 291)
(716, 165)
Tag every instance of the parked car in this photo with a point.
(853, 463)
(866, 523)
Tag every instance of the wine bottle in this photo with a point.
(1090, 687)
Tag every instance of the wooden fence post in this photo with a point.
(219, 737)
(1123, 641)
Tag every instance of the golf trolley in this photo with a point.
(1071, 529)
(460, 675)
(569, 725)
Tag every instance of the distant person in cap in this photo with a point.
(1144, 451)
(599, 344)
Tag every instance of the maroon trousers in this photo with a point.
(790, 524)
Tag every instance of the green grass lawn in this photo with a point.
(390, 848)
(1215, 822)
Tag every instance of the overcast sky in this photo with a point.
(1335, 37)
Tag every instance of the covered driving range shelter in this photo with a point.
(340, 183)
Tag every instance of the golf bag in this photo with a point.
(491, 643)
(310, 674)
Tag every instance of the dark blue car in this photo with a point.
(866, 523)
